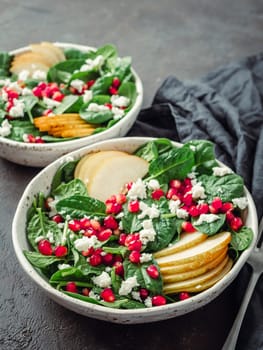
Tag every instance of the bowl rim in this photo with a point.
(75, 142)
(198, 299)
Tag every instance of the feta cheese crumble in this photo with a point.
(63, 266)
(138, 190)
(148, 302)
(153, 184)
(84, 243)
(198, 191)
(241, 202)
(128, 285)
(5, 128)
(94, 107)
(39, 75)
(17, 110)
(90, 64)
(103, 280)
(145, 257)
(206, 218)
(221, 171)
(147, 234)
(119, 101)
(182, 213)
(87, 96)
(51, 103)
(152, 212)
(77, 84)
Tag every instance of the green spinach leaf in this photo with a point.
(74, 187)
(242, 239)
(210, 228)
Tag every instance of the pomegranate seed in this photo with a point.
(158, 300)
(111, 199)
(134, 257)
(144, 293)
(203, 208)
(107, 295)
(122, 239)
(229, 216)
(104, 234)
(193, 211)
(12, 94)
(88, 252)
(60, 251)
(228, 206)
(236, 223)
(74, 225)
(58, 96)
(110, 222)
(90, 83)
(116, 82)
(44, 247)
(212, 209)
(95, 259)
(175, 183)
(85, 291)
(184, 295)
(188, 227)
(172, 194)
(157, 194)
(134, 206)
(188, 199)
(152, 271)
(90, 232)
(42, 85)
(71, 287)
(109, 105)
(95, 224)
(39, 139)
(129, 185)
(9, 105)
(113, 208)
(217, 203)
(84, 223)
(57, 218)
(118, 266)
(121, 198)
(135, 245)
(118, 257)
(107, 259)
(113, 90)
(187, 182)
(130, 238)
(47, 111)
(37, 91)
(31, 138)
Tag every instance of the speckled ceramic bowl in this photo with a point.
(40, 155)
(42, 183)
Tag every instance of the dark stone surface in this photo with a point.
(187, 38)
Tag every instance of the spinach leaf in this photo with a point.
(152, 149)
(85, 75)
(96, 117)
(49, 138)
(119, 67)
(102, 84)
(38, 203)
(40, 261)
(129, 90)
(139, 270)
(5, 61)
(62, 71)
(106, 51)
(40, 226)
(210, 228)
(64, 173)
(70, 103)
(71, 53)
(74, 187)
(21, 127)
(78, 206)
(204, 156)
(226, 187)
(176, 163)
(242, 239)
(29, 102)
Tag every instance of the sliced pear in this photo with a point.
(55, 49)
(182, 268)
(112, 174)
(202, 252)
(187, 240)
(182, 276)
(86, 166)
(45, 52)
(29, 66)
(200, 283)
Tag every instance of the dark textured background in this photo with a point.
(187, 38)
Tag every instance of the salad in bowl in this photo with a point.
(136, 229)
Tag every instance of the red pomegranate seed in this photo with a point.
(203, 208)
(212, 209)
(188, 227)
(88, 252)
(74, 225)
(12, 94)
(229, 216)
(107, 259)
(118, 266)
(31, 138)
(104, 234)
(113, 208)
(110, 222)
(158, 300)
(236, 223)
(172, 194)
(144, 293)
(58, 96)
(84, 223)
(90, 83)
(71, 287)
(39, 139)
(153, 271)
(116, 82)
(131, 237)
(227, 206)
(135, 245)
(121, 198)
(95, 224)
(187, 182)
(90, 232)
(122, 239)
(184, 295)
(134, 257)
(57, 218)
(37, 91)
(111, 199)
(47, 111)
(60, 251)
(188, 199)
(109, 105)
(129, 185)
(44, 247)
(134, 206)
(113, 90)
(85, 291)
(217, 203)
(193, 211)
(175, 184)
(107, 295)
(157, 194)
(42, 85)
(95, 259)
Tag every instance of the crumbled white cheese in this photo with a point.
(137, 190)
(136, 296)
(148, 302)
(119, 101)
(241, 202)
(87, 96)
(94, 107)
(18, 109)
(4, 95)
(50, 103)
(90, 64)
(174, 205)
(39, 238)
(145, 257)
(39, 75)
(128, 285)
(221, 171)
(103, 280)
(77, 84)
(63, 266)
(14, 86)
(181, 213)
(23, 75)
(5, 128)
(148, 233)
(118, 113)
(94, 295)
(207, 218)
(50, 236)
(150, 211)
(84, 243)
(193, 148)
(198, 191)
(153, 184)
(26, 92)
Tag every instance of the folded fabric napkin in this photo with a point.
(225, 107)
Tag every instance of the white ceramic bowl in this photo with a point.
(42, 183)
(40, 155)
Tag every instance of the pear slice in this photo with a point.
(187, 240)
(202, 252)
(31, 67)
(182, 276)
(112, 174)
(86, 166)
(46, 52)
(202, 282)
(55, 49)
